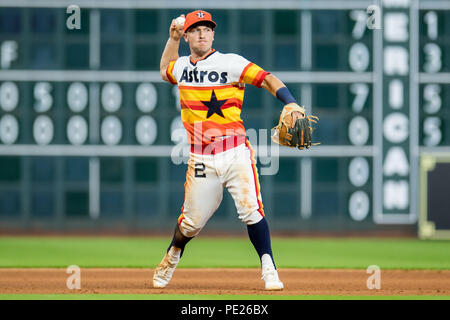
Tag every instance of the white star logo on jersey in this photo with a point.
(200, 14)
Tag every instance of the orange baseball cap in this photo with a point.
(196, 17)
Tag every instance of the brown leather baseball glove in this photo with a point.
(294, 128)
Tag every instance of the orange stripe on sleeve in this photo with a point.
(241, 78)
(169, 71)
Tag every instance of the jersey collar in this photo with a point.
(195, 62)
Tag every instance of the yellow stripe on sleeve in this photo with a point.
(169, 72)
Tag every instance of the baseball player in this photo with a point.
(211, 86)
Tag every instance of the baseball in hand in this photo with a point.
(180, 21)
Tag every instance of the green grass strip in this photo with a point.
(204, 252)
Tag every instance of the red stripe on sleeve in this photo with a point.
(260, 78)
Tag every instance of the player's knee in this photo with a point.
(189, 229)
(251, 217)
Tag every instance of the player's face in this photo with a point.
(200, 39)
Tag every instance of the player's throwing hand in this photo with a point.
(177, 28)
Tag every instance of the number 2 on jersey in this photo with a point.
(199, 170)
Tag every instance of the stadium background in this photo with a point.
(86, 122)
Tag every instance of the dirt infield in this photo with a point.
(226, 281)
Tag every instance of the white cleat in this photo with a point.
(270, 274)
(164, 271)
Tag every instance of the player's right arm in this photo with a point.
(170, 52)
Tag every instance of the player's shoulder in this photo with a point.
(232, 60)
(182, 60)
(230, 56)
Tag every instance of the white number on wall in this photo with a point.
(358, 171)
(43, 130)
(146, 130)
(432, 131)
(111, 97)
(9, 96)
(146, 97)
(433, 58)
(77, 97)
(359, 57)
(360, 18)
(361, 92)
(42, 96)
(358, 131)
(9, 129)
(431, 21)
(359, 205)
(77, 130)
(111, 130)
(432, 97)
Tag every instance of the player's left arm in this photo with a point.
(279, 90)
(272, 84)
(247, 72)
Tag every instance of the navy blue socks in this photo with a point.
(258, 233)
(179, 240)
(260, 237)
